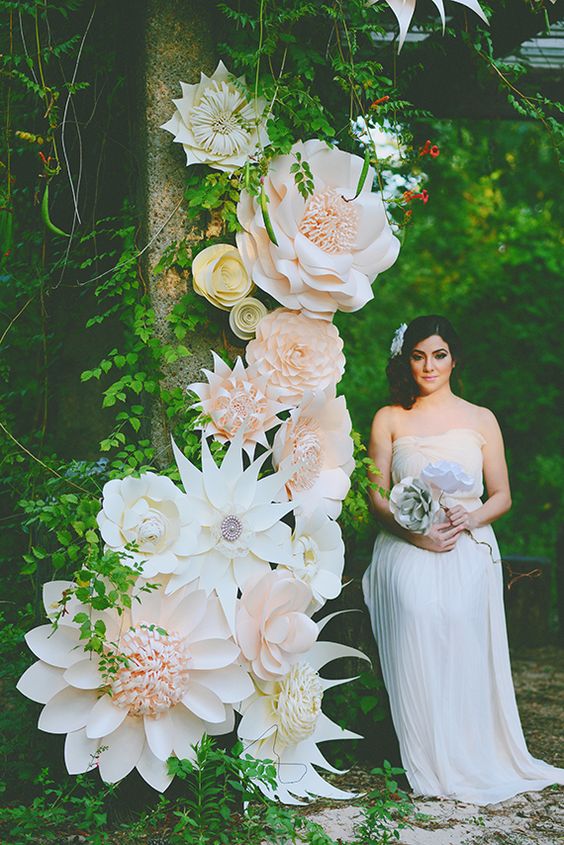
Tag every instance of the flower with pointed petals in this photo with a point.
(216, 123)
(235, 398)
(177, 679)
(240, 518)
(272, 626)
(297, 353)
(318, 556)
(330, 245)
(317, 435)
(404, 9)
(283, 721)
(153, 516)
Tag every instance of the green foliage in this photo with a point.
(388, 812)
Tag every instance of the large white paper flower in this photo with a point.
(404, 9)
(151, 514)
(447, 476)
(412, 504)
(235, 398)
(240, 518)
(216, 123)
(297, 353)
(331, 246)
(283, 721)
(272, 626)
(318, 556)
(178, 679)
(317, 436)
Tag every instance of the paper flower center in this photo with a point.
(330, 223)
(245, 404)
(151, 529)
(298, 704)
(221, 122)
(308, 550)
(231, 528)
(155, 677)
(307, 452)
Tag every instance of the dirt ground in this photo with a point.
(533, 818)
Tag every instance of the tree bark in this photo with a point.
(178, 45)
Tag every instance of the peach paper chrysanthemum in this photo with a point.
(330, 245)
(237, 397)
(296, 354)
(272, 626)
(317, 436)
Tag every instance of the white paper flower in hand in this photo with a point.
(447, 476)
(283, 721)
(412, 505)
(216, 123)
(219, 275)
(240, 518)
(272, 626)
(151, 514)
(317, 436)
(318, 556)
(297, 353)
(245, 316)
(404, 9)
(177, 677)
(331, 246)
(235, 398)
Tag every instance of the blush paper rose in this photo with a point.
(412, 505)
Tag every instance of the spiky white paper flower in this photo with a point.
(240, 518)
(318, 556)
(404, 9)
(235, 398)
(178, 679)
(216, 123)
(317, 436)
(283, 721)
(151, 514)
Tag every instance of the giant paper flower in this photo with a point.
(240, 518)
(235, 398)
(317, 436)
(283, 721)
(177, 678)
(297, 353)
(153, 516)
(216, 123)
(404, 9)
(318, 556)
(219, 275)
(331, 246)
(272, 626)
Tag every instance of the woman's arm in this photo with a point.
(495, 477)
(441, 538)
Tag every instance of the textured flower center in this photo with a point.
(308, 550)
(231, 528)
(155, 677)
(307, 452)
(221, 122)
(298, 704)
(151, 529)
(330, 222)
(244, 404)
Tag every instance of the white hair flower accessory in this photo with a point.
(397, 342)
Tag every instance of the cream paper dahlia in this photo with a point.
(216, 123)
(177, 679)
(331, 246)
(296, 353)
(404, 9)
(219, 275)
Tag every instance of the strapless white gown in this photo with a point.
(439, 623)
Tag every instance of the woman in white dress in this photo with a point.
(436, 599)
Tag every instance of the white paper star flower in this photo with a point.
(178, 679)
(283, 721)
(216, 123)
(240, 518)
(151, 514)
(238, 397)
(404, 9)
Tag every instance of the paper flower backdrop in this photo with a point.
(404, 9)
(331, 246)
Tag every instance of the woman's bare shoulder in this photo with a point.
(384, 422)
(480, 418)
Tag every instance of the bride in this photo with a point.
(436, 599)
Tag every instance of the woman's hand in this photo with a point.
(459, 516)
(441, 537)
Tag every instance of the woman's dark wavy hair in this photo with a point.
(403, 390)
